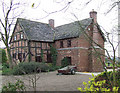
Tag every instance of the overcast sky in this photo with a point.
(79, 8)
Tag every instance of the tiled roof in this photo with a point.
(73, 29)
(37, 31)
(43, 32)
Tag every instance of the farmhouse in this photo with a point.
(31, 39)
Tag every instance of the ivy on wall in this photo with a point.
(53, 52)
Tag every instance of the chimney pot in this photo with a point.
(51, 22)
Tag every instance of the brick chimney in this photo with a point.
(93, 14)
(51, 22)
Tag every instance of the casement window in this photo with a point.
(15, 37)
(38, 59)
(49, 58)
(21, 36)
(14, 55)
(61, 44)
(68, 43)
(23, 55)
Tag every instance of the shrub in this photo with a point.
(53, 68)
(97, 86)
(29, 67)
(18, 86)
(103, 76)
(4, 57)
(64, 62)
(6, 71)
(5, 65)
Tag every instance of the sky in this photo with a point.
(41, 9)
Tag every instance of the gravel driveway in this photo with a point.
(51, 82)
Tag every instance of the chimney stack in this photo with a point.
(51, 22)
(93, 14)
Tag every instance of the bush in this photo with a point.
(64, 62)
(53, 68)
(6, 71)
(18, 86)
(99, 85)
(4, 57)
(107, 84)
(103, 76)
(29, 68)
(5, 65)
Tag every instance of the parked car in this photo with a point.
(68, 70)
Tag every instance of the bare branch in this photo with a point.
(64, 8)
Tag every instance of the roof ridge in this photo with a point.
(73, 22)
(19, 19)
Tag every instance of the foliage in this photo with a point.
(53, 52)
(29, 68)
(53, 68)
(101, 82)
(4, 57)
(42, 56)
(100, 88)
(64, 62)
(6, 71)
(103, 76)
(5, 65)
(18, 86)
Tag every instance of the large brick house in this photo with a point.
(30, 38)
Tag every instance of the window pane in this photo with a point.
(61, 44)
(69, 43)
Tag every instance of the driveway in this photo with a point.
(51, 82)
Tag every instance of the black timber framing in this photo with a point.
(29, 52)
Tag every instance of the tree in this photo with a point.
(10, 11)
(98, 54)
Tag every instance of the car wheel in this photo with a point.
(73, 71)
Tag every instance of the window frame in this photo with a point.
(69, 43)
(61, 44)
(21, 36)
(15, 37)
(14, 55)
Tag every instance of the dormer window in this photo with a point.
(21, 36)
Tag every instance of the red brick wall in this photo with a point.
(78, 52)
(97, 65)
(81, 52)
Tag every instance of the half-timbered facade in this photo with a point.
(31, 40)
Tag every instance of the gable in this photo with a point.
(17, 32)
(37, 31)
